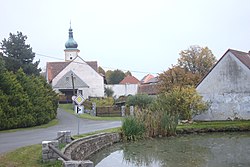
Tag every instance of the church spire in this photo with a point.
(71, 43)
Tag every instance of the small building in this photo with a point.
(128, 86)
(75, 73)
(227, 88)
(149, 85)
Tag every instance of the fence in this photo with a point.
(113, 111)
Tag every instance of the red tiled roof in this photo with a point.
(147, 78)
(54, 68)
(130, 80)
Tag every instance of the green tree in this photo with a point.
(18, 54)
(108, 92)
(114, 77)
(140, 100)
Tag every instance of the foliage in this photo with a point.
(193, 64)
(103, 102)
(177, 77)
(18, 54)
(108, 91)
(114, 77)
(25, 100)
(185, 102)
(161, 117)
(197, 59)
(139, 100)
(132, 128)
(128, 73)
(101, 71)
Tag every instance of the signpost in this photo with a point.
(78, 108)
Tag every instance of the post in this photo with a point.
(73, 86)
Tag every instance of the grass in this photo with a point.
(51, 123)
(69, 108)
(112, 130)
(26, 156)
(216, 125)
(32, 155)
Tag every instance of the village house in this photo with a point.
(128, 86)
(227, 88)
(75, 73)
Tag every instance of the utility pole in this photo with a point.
(72, 78)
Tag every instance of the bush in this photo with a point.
(103, 102)
(140, 100)
(132, 128)
(25, 100)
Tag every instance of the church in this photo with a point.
(74, 75)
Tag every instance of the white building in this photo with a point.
(86, 80)
(227, 87)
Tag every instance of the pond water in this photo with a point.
(206, 150)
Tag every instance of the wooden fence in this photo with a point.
(113, 111)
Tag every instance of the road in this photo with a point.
(13, 140)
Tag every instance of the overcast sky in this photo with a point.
(137, 35)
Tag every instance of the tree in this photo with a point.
(114, 77)
(128, 73)
(177, 77)
(140, 100)
(18, 54)
(101, 71)
(193, 64)
(108, 92)
(197, 60)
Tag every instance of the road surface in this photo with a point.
(13, 140)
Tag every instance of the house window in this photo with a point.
(80, 92)
(67, 79)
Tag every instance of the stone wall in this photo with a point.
(81, 149)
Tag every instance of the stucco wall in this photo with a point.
(227, 87)
(87, 74)
(123, 89)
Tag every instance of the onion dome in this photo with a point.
(71, 43)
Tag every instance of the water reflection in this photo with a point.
(218, 149)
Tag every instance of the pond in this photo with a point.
(203, 150)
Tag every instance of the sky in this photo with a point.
(142, 36)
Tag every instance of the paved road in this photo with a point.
(14, 140)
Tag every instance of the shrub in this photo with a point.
(132, 128)
(139, 100)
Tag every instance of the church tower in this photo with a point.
(71, 51)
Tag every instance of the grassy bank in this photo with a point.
(32, 155)
(69, 108)
(214, 126)
(51, 123)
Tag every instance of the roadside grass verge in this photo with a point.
(51, 123)
(26, 156)
(69, 108)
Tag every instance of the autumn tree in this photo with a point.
(197, 59)
(193, 64)
(101, 71)
(18, 54)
